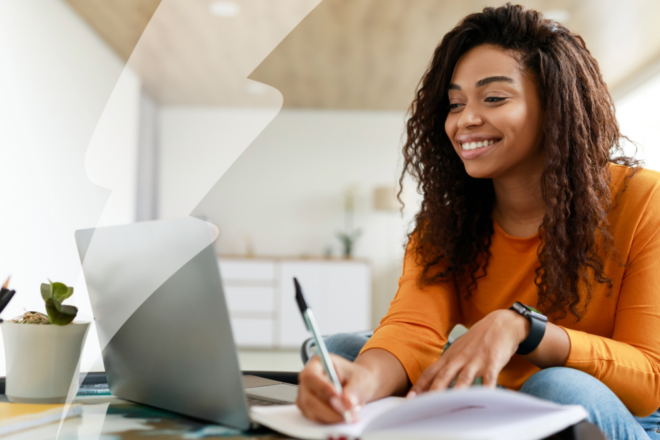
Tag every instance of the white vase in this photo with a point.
(42, 360)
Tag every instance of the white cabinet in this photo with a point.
(260, 297)
(247, 270)
(247, 299)
(253, 332)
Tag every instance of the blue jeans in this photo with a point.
(561, 385)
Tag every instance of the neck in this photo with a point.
(519, 206)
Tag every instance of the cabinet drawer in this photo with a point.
(338, 292)
(247, 270)
(250, 299)
(252, 332)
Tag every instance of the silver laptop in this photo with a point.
(163, 323)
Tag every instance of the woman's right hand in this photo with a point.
(319, 401)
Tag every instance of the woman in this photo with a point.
(528, 198)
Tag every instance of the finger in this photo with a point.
(343, 367)
(351, 400)
(489, 378)
(315, 409)
(320, 385)
(466, 376)
(426, 379)
(357, 390)
(353, 396)
(319, 407)
(444, 377)
(314, 378)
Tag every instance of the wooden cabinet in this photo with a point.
(260, 297)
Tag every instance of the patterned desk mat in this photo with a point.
(110, 418)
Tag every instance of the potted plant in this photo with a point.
(43, 350)
(349, 236)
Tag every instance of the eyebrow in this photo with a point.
(485, 81)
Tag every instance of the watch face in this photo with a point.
(529, 311)
(519, 307)
(532, 309)
(535, 313)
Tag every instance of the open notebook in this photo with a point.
(19, 416)
(471, 414)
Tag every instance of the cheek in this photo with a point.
(451, 126)
(519, 126)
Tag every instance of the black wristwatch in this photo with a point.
(536, 330)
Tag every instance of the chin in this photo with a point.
(478, 171)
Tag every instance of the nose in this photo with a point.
(470, 116)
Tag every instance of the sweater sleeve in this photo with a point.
(629, 362)
(418, 322)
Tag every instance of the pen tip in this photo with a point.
(6, 285)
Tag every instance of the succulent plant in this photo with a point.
(54, 294)
(348, 241)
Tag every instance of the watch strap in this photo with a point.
(536, 329)
(533, 339)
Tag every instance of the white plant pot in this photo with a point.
(42, 360)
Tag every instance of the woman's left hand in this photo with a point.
(481, 352)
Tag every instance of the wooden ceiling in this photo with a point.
(341, 54)
(119, 22)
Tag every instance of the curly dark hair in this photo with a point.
(580, 137)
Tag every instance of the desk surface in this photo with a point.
(110, 418)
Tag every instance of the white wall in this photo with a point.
(56, 77)
(284, 194)
(146, 197)
(639, 119)
(197, 146)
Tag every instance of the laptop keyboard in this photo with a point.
(255, 401)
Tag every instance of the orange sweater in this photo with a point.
(618, 338)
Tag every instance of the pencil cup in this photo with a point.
(43, 361)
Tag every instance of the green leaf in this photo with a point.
(61, 291)
(59, 314)
(51, 310)
(68, 293)
(45, 291)
(68, 310)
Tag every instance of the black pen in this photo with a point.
(310, 322)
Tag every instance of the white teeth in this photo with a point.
(475, 145)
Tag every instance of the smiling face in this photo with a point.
(495, 116)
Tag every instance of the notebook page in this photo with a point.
(483, 424)
(19, 416)
(475, 413)
(287, 419)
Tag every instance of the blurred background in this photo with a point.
(281, 122)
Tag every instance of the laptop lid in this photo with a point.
(162, 319)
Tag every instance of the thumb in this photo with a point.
(355, 380)
(344, 404)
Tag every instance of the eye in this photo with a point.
(454, 106)
(494, 99)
